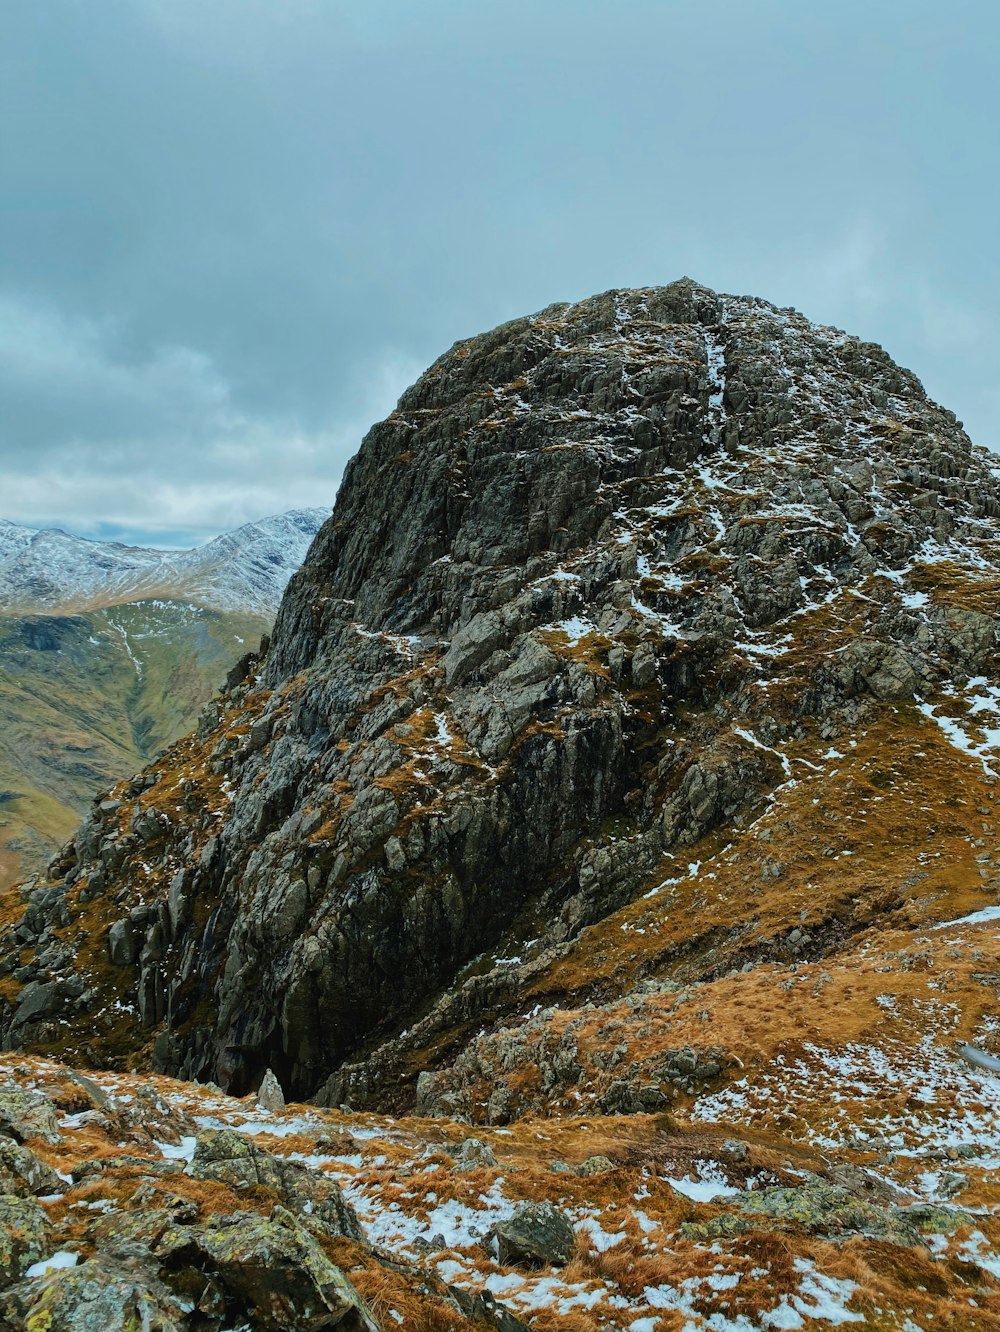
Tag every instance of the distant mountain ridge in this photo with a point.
(108, 653)
(49, 571)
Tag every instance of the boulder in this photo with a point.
(595, 1165)
(473, 1155)
(482, 1308)
(269, 1093)
(22, 1172)
(27, 1115)
(24, 1236)
(826, 1209)
(277, 1274)
(97, 1296)
(537, 1235)
(233, 1159)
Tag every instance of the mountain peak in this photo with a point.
(622, 769)
(532, 439)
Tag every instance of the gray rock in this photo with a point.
(233, 1159)
(269, 1093)
(484, 1310)
(99, 1295)
(537, 1235)
(473, 1155)
(24, 1236)
(595, 1165)
(122, 944)
(27, 1115)
(277, 1273)
(22, 1173)
(39, 999)
(733, 1149)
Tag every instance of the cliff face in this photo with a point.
(611, 584)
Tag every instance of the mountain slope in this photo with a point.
(94, 691)
(627, 745)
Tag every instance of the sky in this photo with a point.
(233, 231)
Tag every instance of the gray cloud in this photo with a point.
(230, 233)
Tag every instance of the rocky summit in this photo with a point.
(615, 801)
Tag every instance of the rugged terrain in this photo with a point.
(108, 653)
(620, 779)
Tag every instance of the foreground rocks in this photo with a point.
(305, 1218)
(537, 1235)
(217, 1233)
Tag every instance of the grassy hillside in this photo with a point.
(87, 699)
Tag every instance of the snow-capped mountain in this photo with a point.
(51, 571)
(108, 652)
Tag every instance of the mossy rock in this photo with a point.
(21, 1172)
(26, 1115)
(277, 1273)
(826, 1209)
(97, 1296)
(24, 1236)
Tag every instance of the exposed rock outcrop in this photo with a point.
(579, 593)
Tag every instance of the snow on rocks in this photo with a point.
(64, 1258)
(631, 1266)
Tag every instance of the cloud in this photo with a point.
(231, 232)
(156, 443)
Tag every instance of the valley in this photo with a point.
(97, 674)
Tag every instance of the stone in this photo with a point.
(595, 1165)
(278, 1274)
(473, 1155)
(38, 999)
(99, 1295)
(27, 1115)
(826, 1209)
(269, 1094)
(484, 1310)
(537, 1235)
(24, 1236)
(22, 1173)
(233, 1159)
(733, 1149)
(122, 944)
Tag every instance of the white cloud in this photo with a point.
(161, 442)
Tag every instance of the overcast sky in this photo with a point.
(232, 231)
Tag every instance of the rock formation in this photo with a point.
(577, 589)
(621, 769)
